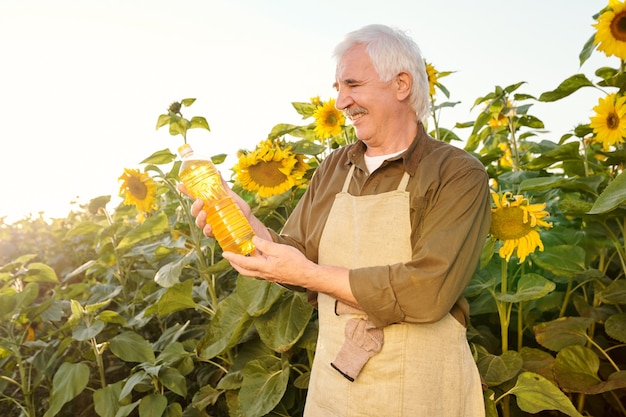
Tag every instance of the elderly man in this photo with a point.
(385, 240)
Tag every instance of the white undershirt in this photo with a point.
(374, 162)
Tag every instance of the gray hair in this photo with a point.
(391, 52)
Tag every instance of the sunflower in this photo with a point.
(611, 34)
(506, 160)
(498, 120)
(271, 169)
(329, 121)
(500, 115)
(316, 101)
(609, 123)
(139, 189)
(433, 78)
(516, 222)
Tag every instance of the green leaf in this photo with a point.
(305, 109)
(566, 88)
(587, 184)
(612, 197)
(448, 135)
(174, 410)
(84, 332)
(257, 295)
(566, 152)
(573, 205)
(27, 297)
(588, 48)
(178, 126)
(562, 260)
(125, 410)
(169, 274)
(615, 326)
(161, 157)
(218, 159)
(565, 331)
(38, 272)
(130, 347)
(152, 405)
(108, 316)
(529, 287)
(264, 385)
(576, 368)
(230, 323)
(205, 396)
(538, 361)
(614, 293)
(490, 404)
(199, 122)
(68, 381)
(176, 298)
(281, 328)
(187, 101)
(163, 120)
(138, 378)
(106, 400)
(153, 226)
(499, 369)
(474, 139)
(283, 129)
(534, 394)
(306, 147)
(173, 380)
(83, 229)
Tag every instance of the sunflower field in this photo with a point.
(132, 311)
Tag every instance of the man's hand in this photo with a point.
(200, 215)
(274, 262)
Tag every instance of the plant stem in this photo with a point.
(520, 326)
(504, 310)
(99, 362)
(568, 294)
(621, 250)
(594, 344)
(197, 244)
(515, 150)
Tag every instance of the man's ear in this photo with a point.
(403, 83)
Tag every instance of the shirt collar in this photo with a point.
(411, 157)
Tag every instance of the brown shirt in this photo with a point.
(450, 219)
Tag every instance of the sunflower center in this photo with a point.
(331, 119)
(508, 223)
(612, 121)
(137, 188)
(267, 173)
(618, 26)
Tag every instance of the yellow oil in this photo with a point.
(230, 227)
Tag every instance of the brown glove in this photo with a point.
(363, 340)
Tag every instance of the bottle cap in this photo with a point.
(184, 150)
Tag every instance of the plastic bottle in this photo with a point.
(230, 227)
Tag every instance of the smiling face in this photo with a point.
(378, 109)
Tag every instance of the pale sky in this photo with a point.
(83, 82)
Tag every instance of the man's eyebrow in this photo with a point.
(336, 85)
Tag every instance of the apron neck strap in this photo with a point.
(346, 183)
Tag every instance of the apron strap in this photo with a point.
(348, 178)
(404, 181)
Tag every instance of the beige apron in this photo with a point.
(423, 370)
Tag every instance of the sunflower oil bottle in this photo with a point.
(230, 227)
